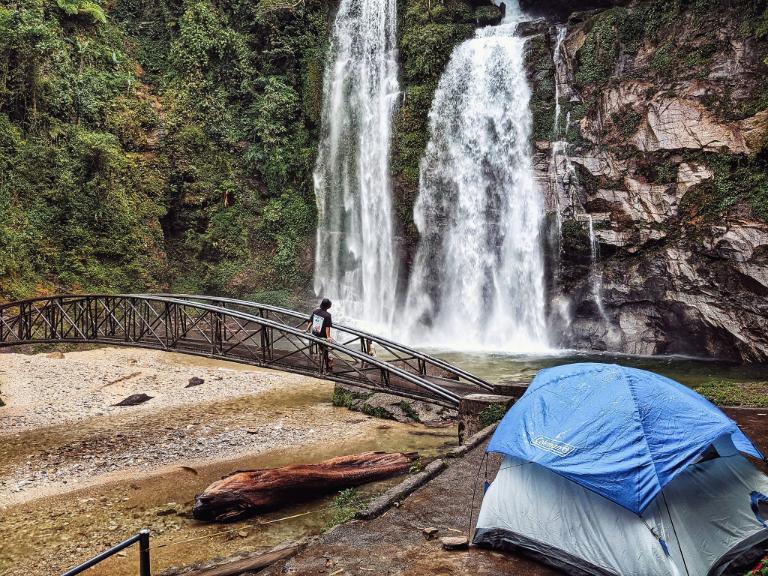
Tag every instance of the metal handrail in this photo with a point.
(144, 566)
(348, 329)
(414, 379)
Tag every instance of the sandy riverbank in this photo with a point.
(49, 389)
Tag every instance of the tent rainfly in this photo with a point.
(615, 471)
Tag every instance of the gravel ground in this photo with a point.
(49, 389)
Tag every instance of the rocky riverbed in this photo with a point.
(78, 474)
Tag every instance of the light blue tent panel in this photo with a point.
(621, 432)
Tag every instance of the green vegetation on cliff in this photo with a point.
(155, 144)
(541, 76)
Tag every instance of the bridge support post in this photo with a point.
(477, 411)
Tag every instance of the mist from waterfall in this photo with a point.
(478, 276)
(355, 261)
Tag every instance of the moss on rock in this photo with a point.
(541, 75)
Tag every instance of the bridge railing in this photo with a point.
(405, 357)
(142, 539)
(170, 323)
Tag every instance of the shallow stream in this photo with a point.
(48, 535)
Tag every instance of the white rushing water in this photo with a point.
(478, 276)
(595, 274)
(355, 262)
(563, 181)
(562, 172)
(559, 62)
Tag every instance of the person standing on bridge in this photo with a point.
(320, 324)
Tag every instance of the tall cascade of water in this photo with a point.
(562, 172)
(595, 274)
(562, 176)
(478, 275)
(355, 261)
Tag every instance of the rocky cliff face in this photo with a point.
(656, 176)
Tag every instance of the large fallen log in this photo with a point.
(253, 491)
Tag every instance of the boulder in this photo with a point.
(194, 381)
(133, 400)
(455, 542)
(532, 27)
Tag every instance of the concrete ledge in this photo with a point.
(516, 389)
(402, 490)
(472, 442)
(473, 414)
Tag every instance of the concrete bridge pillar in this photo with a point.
(476, 411)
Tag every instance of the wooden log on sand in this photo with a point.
(253, 491)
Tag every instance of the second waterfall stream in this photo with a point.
(478, 276)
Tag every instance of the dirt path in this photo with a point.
(395, 545)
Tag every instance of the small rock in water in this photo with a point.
(243, 533)
(194, 381)
(133, 400)
(454, 542)
(430, 533)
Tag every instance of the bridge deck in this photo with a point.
(194, 326)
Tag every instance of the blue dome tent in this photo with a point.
(619, 471)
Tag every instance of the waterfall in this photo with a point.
(595, 274)
(478, 275)
(562, 172)
(355, 261)
(563, 181)
(558, 61)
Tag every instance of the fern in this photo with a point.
(94, 11)
(83, 8)
(70, 7)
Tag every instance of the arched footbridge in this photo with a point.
(239, 331)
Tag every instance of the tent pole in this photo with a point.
(674, 530)
(474, 491)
